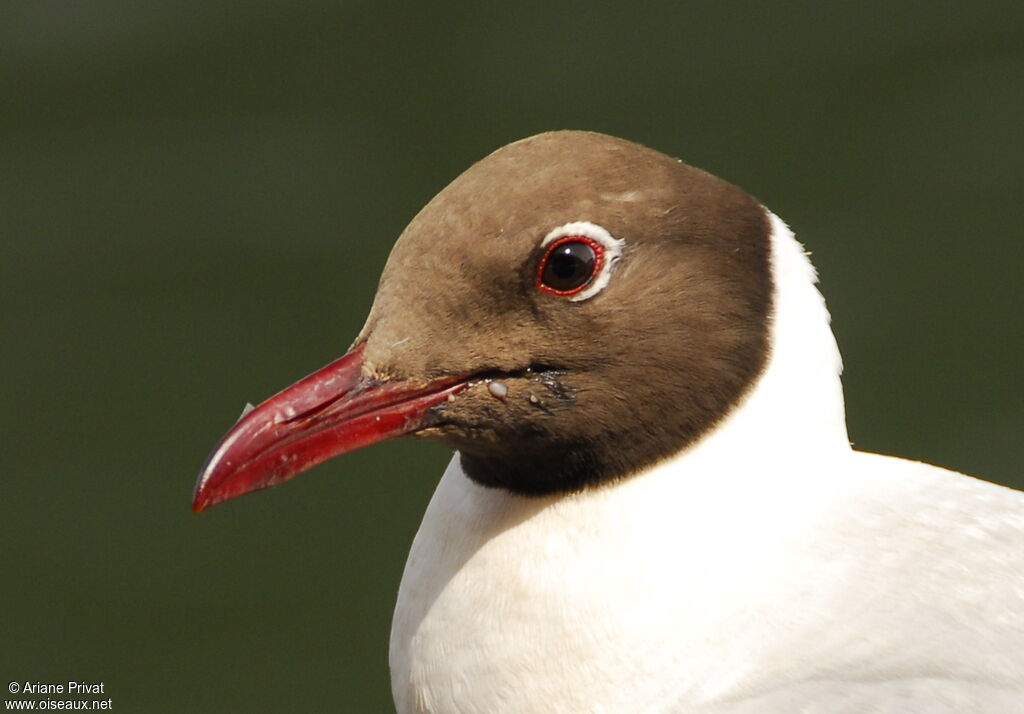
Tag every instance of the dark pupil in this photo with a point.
(569, 266)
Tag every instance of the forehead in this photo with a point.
(519, 193)
(496, 213)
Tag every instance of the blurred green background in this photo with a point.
(196, 199)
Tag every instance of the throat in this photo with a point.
(543, 468)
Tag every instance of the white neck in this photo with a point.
(799, 396)
(502, 594)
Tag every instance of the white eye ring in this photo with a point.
(612, 252)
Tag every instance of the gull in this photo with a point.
(653, 506)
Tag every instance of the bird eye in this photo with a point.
(569, 264)
(577, 260)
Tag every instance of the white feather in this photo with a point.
(769, 568)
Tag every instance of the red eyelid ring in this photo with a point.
(598, 249)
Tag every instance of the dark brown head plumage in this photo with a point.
(597, 388)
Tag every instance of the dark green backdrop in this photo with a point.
(196, 199)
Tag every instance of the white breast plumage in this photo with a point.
(768, 569)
